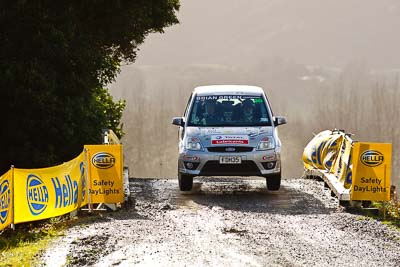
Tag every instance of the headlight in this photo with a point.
(193, 143)
(266, 143)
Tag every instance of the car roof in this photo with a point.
(228, 89)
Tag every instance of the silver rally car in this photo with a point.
(229, 130)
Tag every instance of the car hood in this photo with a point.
(233, 136)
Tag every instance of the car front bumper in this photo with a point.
(205, 163)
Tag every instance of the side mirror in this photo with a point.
(279, 120)
(178, 121)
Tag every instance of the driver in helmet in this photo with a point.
(248, 111)
(210, 116)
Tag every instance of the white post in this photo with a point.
(13, 200)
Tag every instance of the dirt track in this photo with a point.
(229, 222)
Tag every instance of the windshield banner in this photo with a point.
(226, 97)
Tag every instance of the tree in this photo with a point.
(55, 59)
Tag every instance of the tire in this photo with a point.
(273, 182)
(185, 182)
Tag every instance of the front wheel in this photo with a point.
(185, 182)
(273, 181)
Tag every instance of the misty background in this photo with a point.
(323, 64)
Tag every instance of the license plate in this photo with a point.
(230, 160)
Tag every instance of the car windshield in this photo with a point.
(229, 110)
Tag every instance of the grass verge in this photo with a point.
(386, 212)
(390, 211)
(23, 246)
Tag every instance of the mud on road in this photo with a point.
(228, 222)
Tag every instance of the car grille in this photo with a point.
(246, 168)
(230, 149)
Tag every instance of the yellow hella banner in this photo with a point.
(322, 150)
(371, 171)
(49, 192)
(6, 199)
(342, 167)
(105, 173)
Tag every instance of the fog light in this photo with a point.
(270, 165)
(189, 165)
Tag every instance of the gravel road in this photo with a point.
(228, 222)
